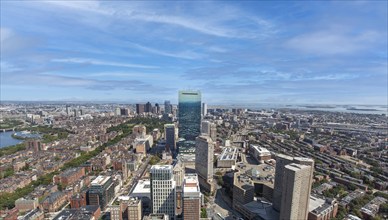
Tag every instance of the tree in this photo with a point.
(203, 213)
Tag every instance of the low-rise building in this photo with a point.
(227, 158)
(54, 201)
(261, 154)
(23, 204)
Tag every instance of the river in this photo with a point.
(7, 140)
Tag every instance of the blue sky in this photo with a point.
(243, 52)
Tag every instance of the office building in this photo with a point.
(157, 108)
(148, 107)
(167, 107)
(204, 109)
(243, 191)
(281, 162)
(163, 190)
(295, 195)
(68, 110)
(204, 157)
(261, 154)
(191, 197)
(169, 131)
(179, 173)
(139, 130)
(134, 209)
(205, 128)
(213, 131)
(189, 114)
(101, 191)
(140, 108)
(118, 111)
(115, 212)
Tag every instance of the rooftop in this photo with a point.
(229, 153)
(100, 180)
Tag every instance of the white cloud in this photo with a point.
(101, 62)
(332, 42)
(185, 54)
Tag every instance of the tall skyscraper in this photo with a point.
(205, 128)
(163, 190)
(148, 107)
(157, 108)
(281, 184)
(204, 109)
(189, 114)
(140, 108)
(281, 162)
(191, 197)
(204, 153)
(68, 110)
(167, 107)
(295, 196)
(169, 131)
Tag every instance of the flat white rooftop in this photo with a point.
(142, 186)
(100, 180)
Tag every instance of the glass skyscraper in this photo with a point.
(189, 115)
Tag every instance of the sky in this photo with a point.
(235, 52)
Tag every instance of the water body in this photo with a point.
(6, 139)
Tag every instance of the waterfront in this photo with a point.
(6, 139)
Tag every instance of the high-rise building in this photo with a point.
(205, 128)
(118, 111)
(76, 112)
(140, 108)
(101, 191)
(281, 162)
(167, 107)
(163, 190)
(204, 153)
(157, 108)
(213, 131)
(191, 197)
(68, 110)
(279, 186)
(295, 196)
(148, 107)
(169, 131)
(189, 114)
(179, 173)
(204, 109)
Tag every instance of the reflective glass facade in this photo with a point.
(189, 115)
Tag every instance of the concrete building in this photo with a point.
(320, 209)
(140, 108)
(281, 162)
(261, 154)
(156, 217)
(167, 107)
(134, 209)
(213, 131)
(139, 130)
(115, 212)
(163, 185)
(191, 197)
(228, 158)
(204, 157)
(205, 128)
(243, 191)
(204, 109)
(295, 194)
(179, 173)
(23, 204)
(101, 191)
(169, 131)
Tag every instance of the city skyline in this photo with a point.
(255, 52)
